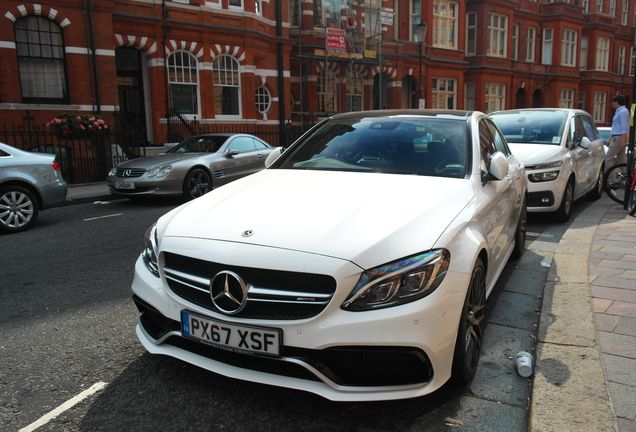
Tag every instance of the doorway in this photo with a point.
(131, 119)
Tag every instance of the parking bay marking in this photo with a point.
(65, 406)
(103, 217)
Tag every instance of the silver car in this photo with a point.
(29, 182)
(191, 168)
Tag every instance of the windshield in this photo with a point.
(200, 144)
(531, 127)
(397, 145)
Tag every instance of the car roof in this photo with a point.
(519, 110)
(448, 114)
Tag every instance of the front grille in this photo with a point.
(273, 294)
(130, 172)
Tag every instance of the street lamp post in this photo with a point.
(420, 30)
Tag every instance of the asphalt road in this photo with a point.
(67, 322)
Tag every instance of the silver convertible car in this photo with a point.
(191, 168)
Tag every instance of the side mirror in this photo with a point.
(584, 143)
(232, 153)
(273, 156)
(498, 166)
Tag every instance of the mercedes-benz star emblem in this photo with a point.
(247, 233)
(127, 173)
(228, 292)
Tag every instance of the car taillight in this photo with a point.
(56, 166)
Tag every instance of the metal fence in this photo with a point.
(83, 158)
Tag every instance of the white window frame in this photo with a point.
(355, 89)
(586, 6)
(414, 11)
(585, 43)
(497, 35)
(531, 38)
(327, 88)
(235, 7)
(612, 8)
(442, 90)
(547, 47)
(599, 107)
(220, 77)
(632, 62)
(471, 33)
(469, 96)
(258, 7)
(621, 60)
(581, 100)
(602, 54)
(569, 48)
(445, 15)
(515, 41)
(495, 99)
(566, 98)
(599, 6)
(181, 70)
(262, 99)
(625, 12)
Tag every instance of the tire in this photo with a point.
(470, 334)
(596, 193)
(631, 202)
(520, 232)
(197, 183)
(614, 182)
(567, 202)
(18, 208)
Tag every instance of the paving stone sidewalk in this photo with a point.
(612, 276)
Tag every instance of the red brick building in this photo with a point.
(266, 62)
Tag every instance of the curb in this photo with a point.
(89, 199)
(570, 390)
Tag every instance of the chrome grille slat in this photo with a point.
(272, 294)
(134, 172)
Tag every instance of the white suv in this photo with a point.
(562, 152)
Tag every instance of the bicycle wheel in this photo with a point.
(614, 182)
(631, 200)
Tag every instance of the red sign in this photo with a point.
(335, 40)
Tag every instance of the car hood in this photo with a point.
(367, 218)
(533, 154)
(160, 159)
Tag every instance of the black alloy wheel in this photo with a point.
(197, 183)
(18, 208)
(567, 202)
(470, 334)
(614, 182)
(596, 193)
(520, 232)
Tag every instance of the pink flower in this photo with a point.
(105, 126)
(78, 117)
(81, 127)
(57, 120)
(91, 118)
(100, 122)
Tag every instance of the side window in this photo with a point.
(242, 144)
(486, 145)
(590, 128)
(259, 145)
(499, 140)
(4, 154)
(577, 129)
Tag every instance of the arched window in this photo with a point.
(40, 51)
(183, 82)
(227, 86)
(263, 100)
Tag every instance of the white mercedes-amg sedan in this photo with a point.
(356, 266)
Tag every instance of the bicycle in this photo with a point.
(614, 185)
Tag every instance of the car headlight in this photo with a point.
(547, 165)
(112, 172)
(543, 176)
(160, 171)
(399, 282)
(149, 253)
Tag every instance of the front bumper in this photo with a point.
(544, 197)
(392, 353)
(145, 187)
